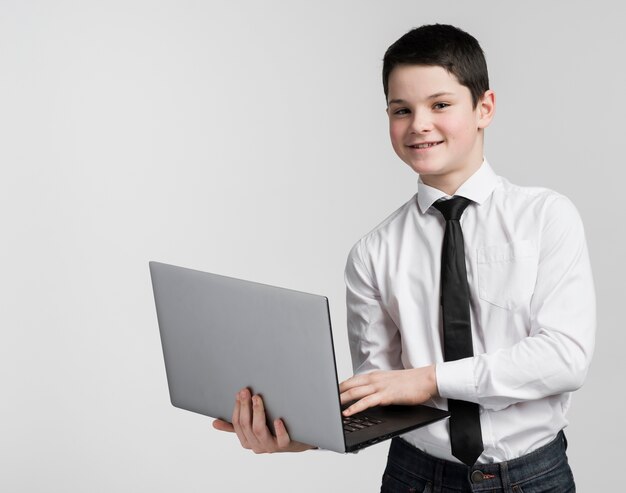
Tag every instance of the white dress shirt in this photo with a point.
(532, 307)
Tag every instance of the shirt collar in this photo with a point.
(477, 188)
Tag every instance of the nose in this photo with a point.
(421, 122)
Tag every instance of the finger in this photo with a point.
(352, 382)
(259, 425)
(357, 393)
(245, 418)
(282, 437)
(236, 413)
(365, 403)
(222, 425)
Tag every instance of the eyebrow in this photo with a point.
(432, 96)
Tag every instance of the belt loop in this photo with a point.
(438, 477)
(504, 476)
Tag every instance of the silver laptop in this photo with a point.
(221, 334)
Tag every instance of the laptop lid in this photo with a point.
(221, 334)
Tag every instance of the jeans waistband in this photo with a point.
(481, 476)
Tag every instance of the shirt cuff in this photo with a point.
(455, 380)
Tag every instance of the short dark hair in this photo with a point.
(445, 46)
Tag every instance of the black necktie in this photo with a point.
(465, 432)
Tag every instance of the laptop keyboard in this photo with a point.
(358, 422)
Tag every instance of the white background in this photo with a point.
(249, 138)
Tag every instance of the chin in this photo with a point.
(425, 169)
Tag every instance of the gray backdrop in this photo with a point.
(249, 138)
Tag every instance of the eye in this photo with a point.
(440, 106)
(401, 111)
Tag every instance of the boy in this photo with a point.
(476, 295)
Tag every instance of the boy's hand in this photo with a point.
(251, 428)
(381, 388)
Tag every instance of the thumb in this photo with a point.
(218, 424)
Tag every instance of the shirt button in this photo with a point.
(477, 476)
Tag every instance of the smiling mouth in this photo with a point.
(425, 145)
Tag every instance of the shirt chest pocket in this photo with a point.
(507, 273)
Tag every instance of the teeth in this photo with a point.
(424, 146)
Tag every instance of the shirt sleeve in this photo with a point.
(373, 336)
(555, 356)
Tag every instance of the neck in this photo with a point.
(451, 182)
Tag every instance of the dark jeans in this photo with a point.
(545, 470)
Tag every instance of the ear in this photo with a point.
(486, 108)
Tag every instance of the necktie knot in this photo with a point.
(453, 208)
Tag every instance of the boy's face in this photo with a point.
(433, 125)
